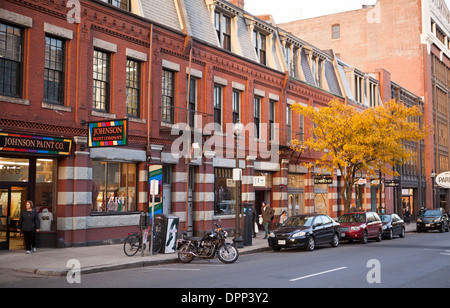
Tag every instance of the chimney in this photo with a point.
(238, 3)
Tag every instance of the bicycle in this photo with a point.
(133, 243)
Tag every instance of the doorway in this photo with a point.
(295, 204)
(12, 203)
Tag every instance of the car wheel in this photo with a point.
(276, 248)
(441, 230)
(402, 234)
(380, 235)
(364, 237)
(419, 230)
(335, 241)
(391, 234)
(311, 244)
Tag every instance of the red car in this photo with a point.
(362, 226)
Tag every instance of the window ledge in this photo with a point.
(103, 114)
(56, 107)
(15, 100)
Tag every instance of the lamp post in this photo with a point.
(237, 176)
(433, 176)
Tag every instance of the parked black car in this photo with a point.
(392, 225)
(305, 231)
(433, 220)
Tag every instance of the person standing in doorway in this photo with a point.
(29, 223)
(267, 213)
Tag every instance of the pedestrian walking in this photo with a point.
(407, 215)
(29, 223)
(267, 214)
(283, 217)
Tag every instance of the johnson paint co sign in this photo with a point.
(443, 179)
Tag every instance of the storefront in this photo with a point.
(296, 191)
(225, 192)
(28, 171)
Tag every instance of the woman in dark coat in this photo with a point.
(29, 223)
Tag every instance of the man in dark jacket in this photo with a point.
(29, 223)
(267, 213)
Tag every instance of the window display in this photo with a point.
(225, 192)
(113, 187)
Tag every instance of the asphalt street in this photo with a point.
(419, 260)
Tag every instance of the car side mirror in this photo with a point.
(317, 224)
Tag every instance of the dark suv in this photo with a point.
(362, 226)
(433, 220)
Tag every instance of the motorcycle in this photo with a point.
(211, 245)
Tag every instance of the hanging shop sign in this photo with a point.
(443, 179)
(108, 133)
(323, 179)
(34, 144)
(392, 183)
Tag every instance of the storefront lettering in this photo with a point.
(20, 142)
(31, 143)
(34, 144)
(107, 131)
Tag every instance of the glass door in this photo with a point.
(5, 205)
(12, 203)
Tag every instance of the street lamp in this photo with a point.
(433, 176)
(237, 176)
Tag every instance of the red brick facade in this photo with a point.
(123, 36)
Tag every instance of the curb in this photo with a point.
(115, 267)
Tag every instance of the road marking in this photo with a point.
(317, 274)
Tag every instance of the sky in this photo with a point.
(289, 10)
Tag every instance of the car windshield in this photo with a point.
(431, 213)
(360, 218)
(298, 221)
(385, 218)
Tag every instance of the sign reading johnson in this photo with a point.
(108, 133)
(34, 144)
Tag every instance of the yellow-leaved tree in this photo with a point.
(355, 142)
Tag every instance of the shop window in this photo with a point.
(113, 187)
(225, 192)
(14, 169)
(46, 192)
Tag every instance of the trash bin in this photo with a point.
(169, 231)
(247, 234)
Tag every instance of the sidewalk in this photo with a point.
(53, 261)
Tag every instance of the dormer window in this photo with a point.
(122, 4)
(260, 43)
(316, 68)
(222, 24)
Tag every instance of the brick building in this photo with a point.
(409, 39)
(181, 73)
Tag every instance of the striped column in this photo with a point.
(74, 197)
(204, 195)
